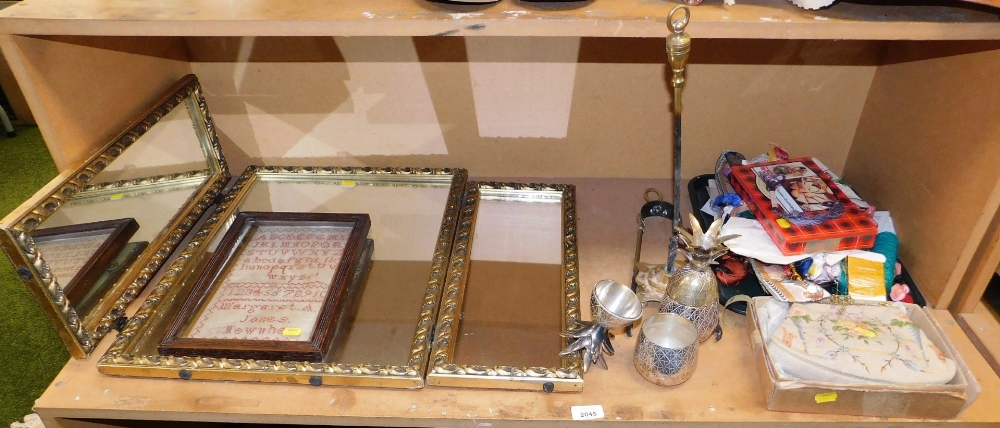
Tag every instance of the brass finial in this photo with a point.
(678, 48)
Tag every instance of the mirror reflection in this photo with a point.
(150, 184)
(512, 312)
(168, 147)
(152, 213)
(88, 256)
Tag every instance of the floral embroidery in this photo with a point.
(787, 337)
(937, 352)
(871, 342)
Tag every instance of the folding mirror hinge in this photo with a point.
(120, 323)
(218, 198)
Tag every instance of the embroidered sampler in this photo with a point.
(275, 285)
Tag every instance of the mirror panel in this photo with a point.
(161, 173)
(387, 334)
(151, 210)
(513, 288)
(170, 146)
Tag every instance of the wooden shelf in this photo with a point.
(755, 19)
(724, 391)
(886, 112)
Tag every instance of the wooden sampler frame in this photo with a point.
(312, 347)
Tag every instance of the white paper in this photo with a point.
(884, 221)
(713, 192)
(754, 242)
(586, 413)
(707, 209)
(713, 189)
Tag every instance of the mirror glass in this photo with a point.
(405, 227)
(152, 211)
(97, 241)
(170, 146)
(512, 312)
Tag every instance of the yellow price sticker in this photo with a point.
(348, 183)
(784, 223)
(117, 196)
(291, 331)
(826, 397)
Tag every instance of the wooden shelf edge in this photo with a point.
(503, 28)
(750, 19)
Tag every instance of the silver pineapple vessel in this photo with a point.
(692, 291)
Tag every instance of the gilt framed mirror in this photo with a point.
(513, 287)
(383, 339)
(163, 170)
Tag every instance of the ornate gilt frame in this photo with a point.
(122, 358)
(82, 335)
(443, 372)
(140, 186)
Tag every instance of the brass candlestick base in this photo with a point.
(652, 279)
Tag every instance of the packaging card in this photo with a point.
(798, 188)
(865, 279)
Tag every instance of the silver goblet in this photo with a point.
(613, 306)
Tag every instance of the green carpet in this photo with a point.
(31, 353)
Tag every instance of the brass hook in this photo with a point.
(678, 26)
(659, 196)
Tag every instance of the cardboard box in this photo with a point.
(929, 402)
(854, 229)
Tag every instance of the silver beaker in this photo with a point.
(667, 350)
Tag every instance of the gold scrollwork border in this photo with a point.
(120, 361)
(443, 372)
(140, 186)
(79, 339)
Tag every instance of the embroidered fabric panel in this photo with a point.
(874, 343)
